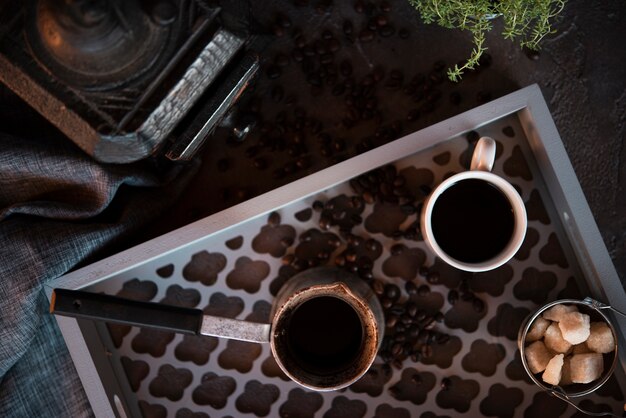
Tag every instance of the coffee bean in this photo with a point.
(338, 90)
(252, 151)
(386, 303)
(396, 349)
(347, 27)
(297, 55)
(442, 338)
(277, 93)
(372, 25)
(423, 290)
(397, 249)
(281, 60)
(385, 6)
(391, 321)
(420, 316)
(373, 245)
(378, 287)
(478, 305)
(334, 45)
(320, 47)
(387, 31)
(324, 223)
(283, 21)
(366, 35)
(278, 30)
(359, 6)
(433, 277)
(411, 288)
(273, 72)
(326, 58)
(378, 74)
(382, 20)
(426, 351)
(314, 79)
(453, 297)
(392, 292)
(445, 383)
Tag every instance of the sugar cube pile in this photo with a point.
(566, 347)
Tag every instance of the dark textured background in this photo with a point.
(581, 71)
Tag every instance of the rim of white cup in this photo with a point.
(519, 211)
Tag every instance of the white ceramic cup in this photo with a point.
(480, 169)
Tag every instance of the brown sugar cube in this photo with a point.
(554, 340)
(566, 375)
(581, 348)
(574, 327)
(537, 329)
(585, 368)
(557, 311)
(601, 338)
(537, 356)
(552, 374)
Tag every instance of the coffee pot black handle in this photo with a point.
(114, 309)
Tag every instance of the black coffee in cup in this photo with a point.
(324, 335)
(472, 221)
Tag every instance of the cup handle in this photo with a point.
(484, 154)
(113, 309)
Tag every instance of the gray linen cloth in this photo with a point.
(58, 208)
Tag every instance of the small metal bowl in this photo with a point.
(593, 309)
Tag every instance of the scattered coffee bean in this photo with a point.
(347, 27)
(411, 288)
(297, 55)
(392, 292)
(433, 277)
(453, 297)
(423, 290)
(277, 93)
(366, 35)
(387, 31)
(334, 45)
(273, 72)
(478, 305)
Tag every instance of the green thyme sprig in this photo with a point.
(528, 21)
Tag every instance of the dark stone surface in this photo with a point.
(580, 70)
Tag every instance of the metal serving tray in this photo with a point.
(232, 263)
